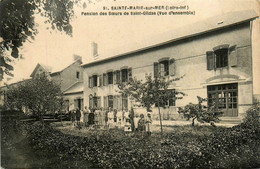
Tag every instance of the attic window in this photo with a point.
(220, 22)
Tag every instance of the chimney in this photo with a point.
(95, 50)
(77, 57)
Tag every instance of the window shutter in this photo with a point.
(232, 51)
(99, 102)
(210, 60)
(156, 69)
(98, 81)
(172, 67)
(105, 102)
(115, 102)
(120, 102)
(129, 74)
(114, 78)
(104, 79)
(90, 82)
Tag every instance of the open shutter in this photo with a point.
(90, 82)
(98, 81)
(129, 74)
(105, 102)
(114, 78)
(156, 69)
(232, 51)
(172, 67)
(99, 102)
(210, 60)
(104, 79)
(115, 102)
(120, 102)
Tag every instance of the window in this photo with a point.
(124, 75)
(110, 101)
(169, 102)
(95, 80)
(165, 67)
(124, 102)
(110, 77)
(94, 102)
(224, 97)
(221, 56)
(77, 75)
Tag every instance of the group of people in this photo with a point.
(110, 118)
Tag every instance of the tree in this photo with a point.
(150, 92)
(200, 112)
(40, 96)
(17, 25)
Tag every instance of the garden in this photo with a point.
(52, 145)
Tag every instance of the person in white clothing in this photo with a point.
(136, 120)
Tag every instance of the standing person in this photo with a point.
(91, 117)
(136, 120)
(131, 117)
(85, 114)
(110, 118)
(148, 124)
(141, 123)
(78, 115)
(73, 117)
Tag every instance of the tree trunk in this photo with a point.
(193, 122)
(160, 118)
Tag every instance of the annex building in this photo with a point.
(215, 56)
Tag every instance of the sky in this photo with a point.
(116, 33)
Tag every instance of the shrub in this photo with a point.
(200, 112)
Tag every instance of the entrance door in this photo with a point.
(225, 98)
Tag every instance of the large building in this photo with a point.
(215, 56)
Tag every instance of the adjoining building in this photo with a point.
(66, 76)
(215, 56)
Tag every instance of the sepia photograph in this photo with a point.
(129, 84)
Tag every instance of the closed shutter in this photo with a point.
(90, 84)
(156, 69)
(210, 60)
(172, 67)
(129, 74)
(232, 55)
(104, 79)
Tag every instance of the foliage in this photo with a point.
(200, 112)
(39, 95)
(17, 24)
(150, 92)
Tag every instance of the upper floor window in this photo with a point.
(221, 56)
(164, 67)
(124, 75)
(95, 80)
(110, 77)
(77, 75)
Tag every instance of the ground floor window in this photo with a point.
(224, 97)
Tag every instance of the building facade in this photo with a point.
(215, 58)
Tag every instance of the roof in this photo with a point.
(75, 88)
(53, 69)
(208, 25)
